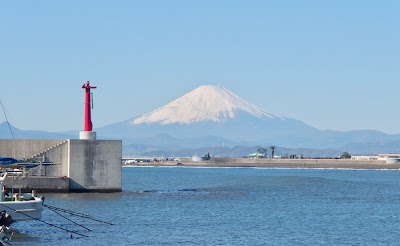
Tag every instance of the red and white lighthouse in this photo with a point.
(88, 133)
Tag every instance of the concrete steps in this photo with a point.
(39, 170)
(40, 154)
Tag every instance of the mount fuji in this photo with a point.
(214, 116)
(214, 112)
(206, 103)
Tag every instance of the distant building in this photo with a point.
(379, 157)
(364, 157)
(257, 155)
(388, 156)
(205, 157)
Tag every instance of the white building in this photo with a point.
(388, 158)
(364, 157)
(384, 157)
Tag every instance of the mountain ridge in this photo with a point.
(206, 103)
(215, 111)
(212, 115)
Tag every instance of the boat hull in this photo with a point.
(23, 210)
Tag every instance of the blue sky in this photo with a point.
(332, 64)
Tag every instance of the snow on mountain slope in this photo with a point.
(206, 103)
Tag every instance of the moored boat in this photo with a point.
(20, 207)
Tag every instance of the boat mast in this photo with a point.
(9, 126)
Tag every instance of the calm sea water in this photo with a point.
(231, 206)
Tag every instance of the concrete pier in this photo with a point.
(80, 165)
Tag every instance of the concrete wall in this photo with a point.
(59, 156)
(293, 161)
(89, 165)
(53, 150)
(25, 148)
(40, 184)
(95, 165)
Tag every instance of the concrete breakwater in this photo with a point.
(40, 184)
(77, 165)
(279, 163)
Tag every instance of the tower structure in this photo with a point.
(88, 133)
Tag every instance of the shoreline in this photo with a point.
(276, 163)
(276, 168)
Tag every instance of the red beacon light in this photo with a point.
(88, 106)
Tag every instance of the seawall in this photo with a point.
(78, 165)
(280, 163)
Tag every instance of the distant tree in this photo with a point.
(272, 151)
(262, 151)
(345, 155)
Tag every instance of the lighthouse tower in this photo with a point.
(88, 133)
(83, 165)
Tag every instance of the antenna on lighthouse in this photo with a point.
(88, 133)
(91, 99)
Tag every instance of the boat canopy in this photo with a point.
(7, 160)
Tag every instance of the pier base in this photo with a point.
(87, 135)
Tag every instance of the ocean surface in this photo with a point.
(229, 206)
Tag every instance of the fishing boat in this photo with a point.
(16, 207)
(20, 206)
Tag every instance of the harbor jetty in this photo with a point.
(66, 165)
(86, 164)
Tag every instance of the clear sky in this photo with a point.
(332, 64)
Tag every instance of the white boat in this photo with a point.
(20, 206)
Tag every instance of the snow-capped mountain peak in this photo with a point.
(206, 103)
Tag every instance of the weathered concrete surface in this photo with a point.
(40, 184)
(90, 165)
(95, 165)
(59, 155)
(25, 148)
